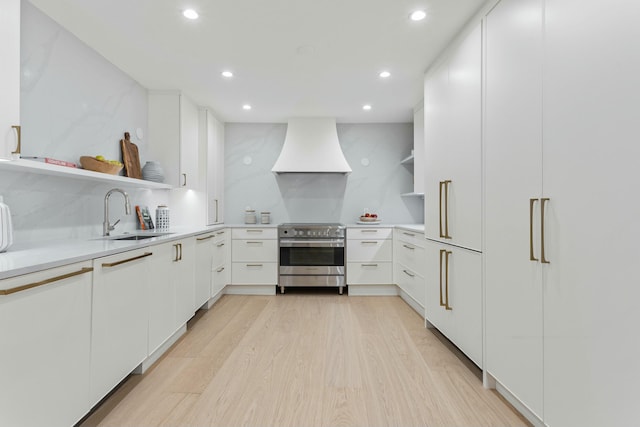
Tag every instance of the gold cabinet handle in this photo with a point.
(220, 232)
(446, 209)
(441, 184)
(220, 245)
(220, 270)
(254, 230)
(532, 202)
(180, 251)
(368, 231)
(542, 258)
(200, 239)
(408, 274)
(251, 242)
(446, 286)
(442, 252)
(369, 265)
(184, 175)
(254, 265)
(177, 257)
(369, 242)
(216, 220)
(45, 282)
(113, 264)
(408, 234)
(408, 247)
(19, 133)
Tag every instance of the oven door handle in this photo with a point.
(330, 243)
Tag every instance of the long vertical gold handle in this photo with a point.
(532, 202)
(177, 258)
(442, 252)
(542, 258)
(446, 267)
(216, 220)
(185, 179)
(446, 209)
(441, 183)
(19, 132)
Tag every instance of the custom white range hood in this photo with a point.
(311, 146)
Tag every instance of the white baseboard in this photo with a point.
(489, 380)
(411, 302)
(250, 290)
(146, 363)
(372, 290)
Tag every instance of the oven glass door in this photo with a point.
(316, 256)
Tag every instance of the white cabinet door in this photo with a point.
(454, 296)
(591, 151)
(183, 277)
(173, 137)
(212, 164)
(45, 339)
(203, 267)
(513, 176)
(119, 323)
(9, 76)
(453, 146)
(161, 297)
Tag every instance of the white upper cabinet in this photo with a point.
(9, 77)
(173, 137)
(212, 164)
(452, 121)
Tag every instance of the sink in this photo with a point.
(133, 237)
(141, 236)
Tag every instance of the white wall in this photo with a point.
(252, 149)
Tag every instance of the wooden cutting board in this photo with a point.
(130, 157)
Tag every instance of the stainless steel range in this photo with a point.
(311, 254)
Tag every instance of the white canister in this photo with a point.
(249, 216)
(162, 218)
(265, 217)
(6, 228)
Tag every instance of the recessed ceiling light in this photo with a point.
(366, 107)
(246, 107)
(227, 74)
(190, 14)
(385, 74)
(418, 15)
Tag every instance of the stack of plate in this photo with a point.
(152, 171)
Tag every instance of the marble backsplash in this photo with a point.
(374, 152)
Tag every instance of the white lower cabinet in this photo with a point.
(161, 297)
(183, 262)
(45, 344)
(409, 269)
(119, 323)
(369, 256)
(254, 255)
(454, 296)
(221, 266)
(203, 267)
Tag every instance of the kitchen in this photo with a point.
(575, 339)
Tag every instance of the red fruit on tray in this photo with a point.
(374, 215)
(367, 215)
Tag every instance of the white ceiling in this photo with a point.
(291, 58)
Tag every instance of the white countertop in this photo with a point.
(23, 258)
(29, 257)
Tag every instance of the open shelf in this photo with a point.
(412, 195)
(407, 160)
(32, 166)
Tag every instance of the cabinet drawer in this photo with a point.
(413, 237)
(369, 250)
(254, 233)
(411, 256)
(254, 250)
(254, 273)
(219, 252)
(369, 233)
(369, 273)
(412, 283)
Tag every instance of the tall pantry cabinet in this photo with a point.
(561, 133)
(9, 77)
(453, 195)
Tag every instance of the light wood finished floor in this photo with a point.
(306, 360)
